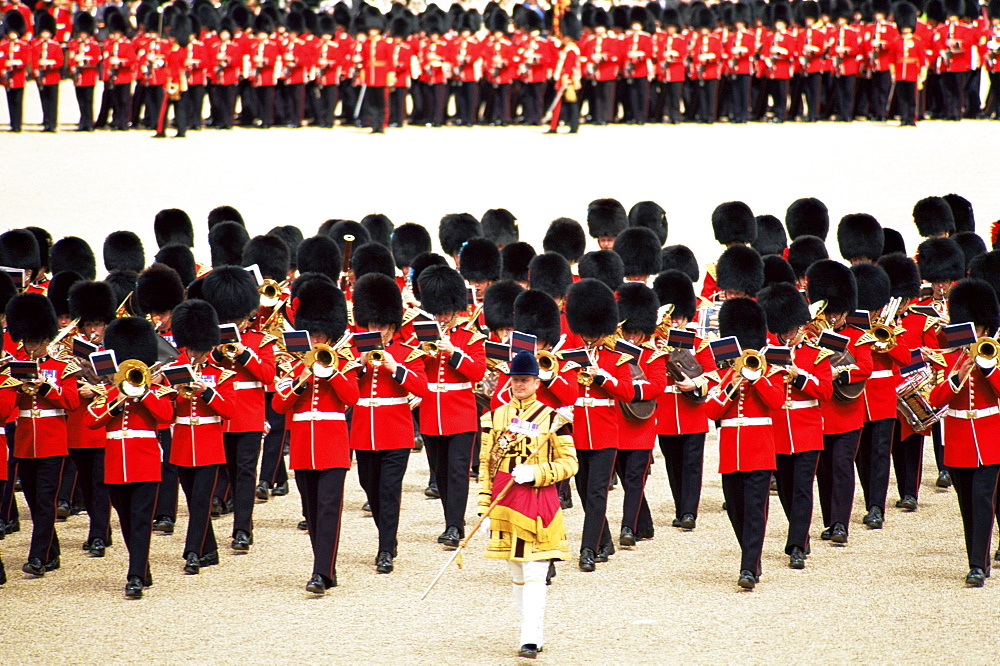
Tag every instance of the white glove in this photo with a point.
(986, 363)
(486, 524)
(523, 474)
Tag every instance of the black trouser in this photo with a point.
(705, 90)
(272, 460)
(638, 98)
(322, 502)
(873, 461)
(195, 99)
(938, 447)
(795, 474)
(570, 113)
(845, 97)
(592, 481)
(467, 101)
(953, 85)
(779, 93)
(327, 103)
(40, 480)
(604, 99)
(976, 489)
(166, 499)
(8, 507)
(533, 103)
(67, 489)
(741, 98)
(246, 92)
(812, 87)
(835, 477)
(993, 96)
(672, 94)
(881, 82)
(449, 457)
(49, 96)
(180, 114)
(223, 101)
(242, 454)
(198, 483)
(264, 105)
(747, 495)
(136, 103)
(154, 103)
(375, 107)
(134, 504)
(906, 98)
(90, 475)
(795, 85)
(296, 95)
(973, 102)
(121, 102)
(632, 466)
(15, 107)
(862, 97)
(381, 476)
(85, 100)
(349, 97)
(500, 103)
(684, 456)
(105, 109)
(758, 98)
(907, 461)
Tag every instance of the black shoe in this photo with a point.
(688, 521)
(97, 547)
(34, 567)
(12, 526)
(747, 580)
(316, 585)
(676, 522)
(645, 533)
(242, 541)
(158, 135)
(261, 491)
(3, 531)
(280, 490)
(528, 651)
(797, 559)
(227, 507)
(627, 537)
(3, 574)
(825, 534)
(976, 577)
(551, 573)
(908, 503)
(133, 588)
(148, 580)
(944, 479)
(192, 565)
(164, 524)
(587, 561)
(62, 510)
(209, 559)
(86, 545)
(303, 525)
(418, 443)
(216, 507)
(367, 506)
(874, 518)
(996, 555)
(604, 552)
(383, 562)
(53, 564)
(838, 534)
(432, 491)
(450, 537)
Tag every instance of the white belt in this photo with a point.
(131, 434)
(594, 402)
(445, 387)
(745, 421)
(319, 416)
(40, 413)
(672, 389)
(972, 414)
(801, 404)
(382, 402)
(241, 386)
(880, 374)
(197, 420)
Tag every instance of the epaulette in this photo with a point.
(623, 358)
(350, 313)
(72, 367)
(866, 338)
(502, 367)
(476, 337)
(823, 354)
(937, 358)
(9, 382)
(714, 376)
(410, 314)
(415, 353)
(701, 348)
(930, 322)
(226, 374)
(164, 390)
(351, 365)
(710, 269)
(659, 353)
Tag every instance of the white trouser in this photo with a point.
(529, 596)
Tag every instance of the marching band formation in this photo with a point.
(523, 369)
(744, 61)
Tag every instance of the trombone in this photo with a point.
(321, 361)
(270, 293)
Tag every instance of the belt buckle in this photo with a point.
(195, 420)
(788, 405)
(970, 414)
(36, 413)
(441, 387)
(588, 402)
(741, 421)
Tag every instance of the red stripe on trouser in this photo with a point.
(163, 113)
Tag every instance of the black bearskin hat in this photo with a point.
(807, 217)
(420, 262)
(933, 216)
(320, 254)
(860, 236)
(649, 214)
(172, 225)
(305, 278)
(179, 258)
(442, 290)
(892, 241)
(985, 267)
(639, 249)
(377, 301)
(785, 307)
(226, 241)
(73, 254)
(971, 243)
(606, 217)
(379, 228)
(777, 270)
(961, 211)
(321, 308)
(637, 306)
(123, 252)
(19, 249)
(904, 277)
(804, 252)
(372, 258)
(195, 326)
(92, 301)
(740, 269)
(408, 241)
(874, 286)
(232, 291)
(603, 265)
(674, 287)
(500, 226)
(566, 237)
(940, 260)
(514, 261)
(906, 16)
(224, 214)
(479, 260)
(31, 317)
(974, 300)
(13, 21)
(734, 222)
(551, 274)
(340, 229)
(743, 318)
(455, 229)
(44, 239)
(159, 289)
(771, 238)
(535, 313)
(498, 304)
(681, 258)
(292, 236)
(58, 291)
(270, 254)
(591, 309)
(122, 284)
(833, 282)
(132, 338)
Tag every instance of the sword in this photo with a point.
(361, 98)
(888, 102)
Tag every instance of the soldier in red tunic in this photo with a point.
(85, 60)
(46, 64)
(908, 63)
(15, 63)
(119, 69)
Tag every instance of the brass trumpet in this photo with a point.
(323, 356)
(985, 347)
(585, 377)
(547, 361)
(750, 360)
(885, 337)
(230, 351)
(133, 378)
(430, 348)
(376, 357)
(270, 293)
